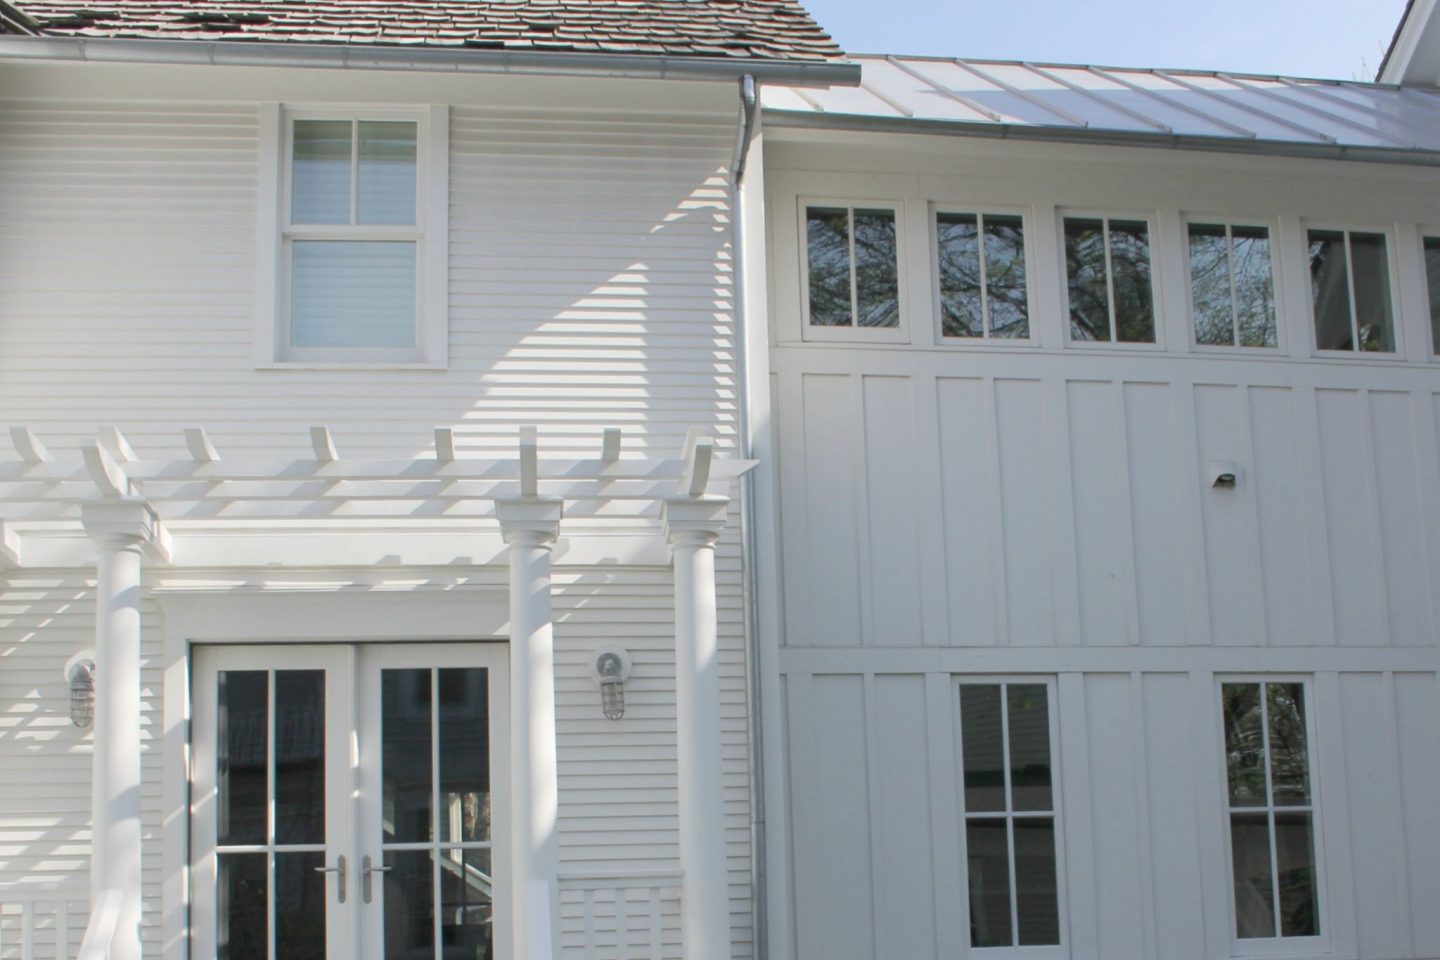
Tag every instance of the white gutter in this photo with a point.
(245, 53)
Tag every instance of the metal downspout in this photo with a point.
(749, 114)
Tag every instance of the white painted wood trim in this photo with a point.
(267, 234)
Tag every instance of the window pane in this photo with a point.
(1294, 848)
(1432, 275)
(1254, 287)
(958, 238)
(827, 244)
(1372, 292)
(466, 914)
(1289, 759)
(877, 274)
(405, 754)
(1210, 284)
(385, 190)
(1254, 893)
(300, 898)
(1005, 277)
(1130, 264)
(980, 736)
(1244, 744)
(1330, 290)
(320, 173)
(299, 756)
(464, 755)
(1037, 903)
(1085, 273)
(242, 925)
(242, 742)
(409, 905)
(989, 874)
(352, 294)
(1029, 747)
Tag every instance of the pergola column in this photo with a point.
(530, 527)
(692, 527)
(121, 530)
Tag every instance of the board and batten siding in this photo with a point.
(590, 285)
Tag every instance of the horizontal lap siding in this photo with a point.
(1037, 501)
(876, 812)
(590, 286)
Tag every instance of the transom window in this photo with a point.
(1010, 814)
(1232, 290)
(1107, 268)
(1350, 288)
(981, 267)
(1272, 810)
(852, 267)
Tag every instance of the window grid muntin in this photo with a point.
(1270, 809)
(1009, 814)
(351, 231)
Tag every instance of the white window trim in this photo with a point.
(1060, 951)
(431, 230)
(987, 342)
(1397, 310)
(1277, 285)
(1156, 301)
(853, 334)
(1274, 946)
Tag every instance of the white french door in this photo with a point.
(348, 801)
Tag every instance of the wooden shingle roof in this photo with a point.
(745, 29)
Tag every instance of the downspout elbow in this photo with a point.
(746, 131)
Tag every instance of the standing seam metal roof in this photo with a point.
(1068, 101)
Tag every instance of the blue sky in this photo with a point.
(1343, 39)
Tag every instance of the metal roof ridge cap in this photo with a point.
(802, 73)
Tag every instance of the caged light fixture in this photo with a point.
(80, 674)
(611, 668)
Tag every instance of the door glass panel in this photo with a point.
(1029, 746)
(1295, 853)
(299, 906)
(405, 754)
(1244, 744)
(982, 746)
(1254, 890)
(243, 930)
(464, 756)
(409, 905)
(1037, 906)
(241, 735)
(989, 870)
(466, 902)
(300, 756)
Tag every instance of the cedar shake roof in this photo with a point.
(746, 29)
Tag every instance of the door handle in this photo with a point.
(339, 871)
(365, 882)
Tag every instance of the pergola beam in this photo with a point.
(201, 449)
(28, 445)
(9, 546)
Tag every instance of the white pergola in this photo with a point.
(128, 505)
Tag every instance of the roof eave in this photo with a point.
(781, 119)
(795, 73)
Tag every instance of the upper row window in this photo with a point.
(853, 279)
(360, 249)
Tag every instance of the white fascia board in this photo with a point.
(1414, 54)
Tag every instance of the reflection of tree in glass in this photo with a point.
(1085, 269)
(957, 238)
(1244, 744)
(1130, 281)
(1210, 284)
(877, 282)
(1220, 257)
(1005, 277)
(1254, 287)
(1289, 771)
(827, 236)
(1330, 289)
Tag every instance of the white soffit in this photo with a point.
(1070, 102)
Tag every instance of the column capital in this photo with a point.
(129, 523)
(694, 519)
(531, 520)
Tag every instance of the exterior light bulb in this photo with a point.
(82, 693)
(610, 671)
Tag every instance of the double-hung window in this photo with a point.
(1268, 764)
(360, 239)
(980, 265)
(1011, 802)
(1107, 271)
(1350, 290)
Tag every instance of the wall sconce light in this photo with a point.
(1222, 474)
(80, 674)
(611, 668)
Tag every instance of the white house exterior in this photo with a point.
(1007, 551)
